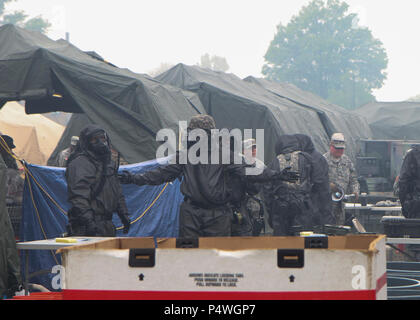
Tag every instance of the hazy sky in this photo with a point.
(142, 34)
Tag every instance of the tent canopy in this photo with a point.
(334, 118)
(393, 120)
(56, 76)
(235, 103)
(257, 104)
(35, 136)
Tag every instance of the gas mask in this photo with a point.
(98, 144)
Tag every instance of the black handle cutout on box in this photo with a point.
(316, 242)
(142, 258)
(290, 258)
(187, 243)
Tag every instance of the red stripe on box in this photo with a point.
(381, 282)
(212, 295)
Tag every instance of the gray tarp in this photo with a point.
(235, 103)
(393, 120)
(56, 76)
(333, 117)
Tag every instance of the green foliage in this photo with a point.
(324, 51)
(19, 18)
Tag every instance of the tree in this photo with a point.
(20, 19)
(323, 50)
(415, 98)
(215, 63)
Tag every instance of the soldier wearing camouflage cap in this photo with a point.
(65, 154)
(342, 174)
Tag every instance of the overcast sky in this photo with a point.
(142, 34)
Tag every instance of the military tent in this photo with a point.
(235, 103)
(333, 117)
(392, 120)
(35, 136)
(56, 76)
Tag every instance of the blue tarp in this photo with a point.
(153, 211)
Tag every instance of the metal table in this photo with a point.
(49, 244)
(403, 240)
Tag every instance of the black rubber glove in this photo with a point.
(287, 175)
(126, 222)
(125, 177)
(91, 228)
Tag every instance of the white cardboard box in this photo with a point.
(350, 267)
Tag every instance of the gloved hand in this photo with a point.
(91, 228)
(126, 222)
(287, 175)
(125, 177)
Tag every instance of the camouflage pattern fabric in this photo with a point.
(342, 173)
(63, 157)
(290, 160)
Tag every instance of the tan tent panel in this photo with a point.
(35, 136)
(25, 140)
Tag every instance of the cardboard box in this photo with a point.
(269, 268)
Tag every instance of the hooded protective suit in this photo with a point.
(289, 204)
(409, 184)
(94, 190)
(320, 193)
(10, 276)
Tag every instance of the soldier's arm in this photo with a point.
(264, 175)
(166, 173)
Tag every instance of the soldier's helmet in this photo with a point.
(202, 121)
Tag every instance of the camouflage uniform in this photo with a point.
(63, 157)
(14, 183)
(343, 174)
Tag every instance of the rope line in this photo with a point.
(28, 173)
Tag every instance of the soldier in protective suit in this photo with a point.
(205, 211)
(320, 192)
(94, 190)
(289, 203)
(409, 184)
